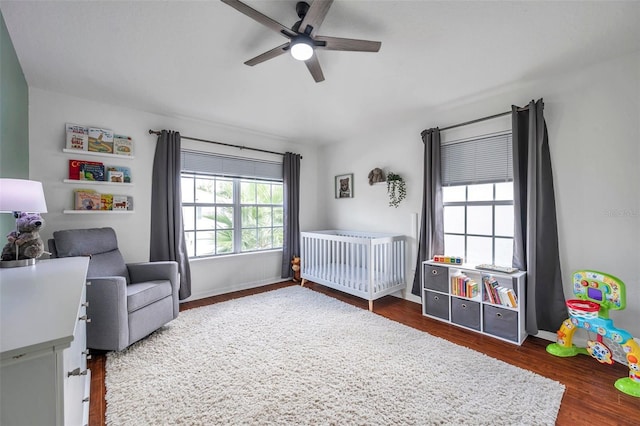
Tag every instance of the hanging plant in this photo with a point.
(396, 188)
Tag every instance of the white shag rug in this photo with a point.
(295, 356)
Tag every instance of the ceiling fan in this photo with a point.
(303, 38)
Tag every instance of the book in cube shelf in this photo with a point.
(87, 199)
(462, 285)
(77, 137)
(497, 294)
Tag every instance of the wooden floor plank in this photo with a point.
(590, 396)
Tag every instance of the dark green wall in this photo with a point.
(14, 119)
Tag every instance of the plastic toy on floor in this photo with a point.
(596, 294)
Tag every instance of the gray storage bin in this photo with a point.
(436, 278)
(465, 312)
(501, 322)
(436, 304)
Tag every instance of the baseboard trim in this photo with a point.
(233, 287)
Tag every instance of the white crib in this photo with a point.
(367, 265)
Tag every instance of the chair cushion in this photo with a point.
(140, 295)
(83, 242)
(100, 243)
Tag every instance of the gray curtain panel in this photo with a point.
(167, 233)
(431, 240)
(291, 181)
(535, 245)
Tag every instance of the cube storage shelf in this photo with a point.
(477, 313)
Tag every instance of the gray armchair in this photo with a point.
(126, 301)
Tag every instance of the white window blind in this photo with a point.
(220, 165)
(484, 159)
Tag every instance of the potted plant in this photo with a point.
(396, 188)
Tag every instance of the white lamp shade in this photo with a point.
(21, 195)
(301, 51)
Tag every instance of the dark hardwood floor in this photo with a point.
(590, 397)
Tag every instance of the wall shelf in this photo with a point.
(97, 154)
(97, 211)
(96, 182)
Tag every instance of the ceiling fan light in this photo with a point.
(301, 50)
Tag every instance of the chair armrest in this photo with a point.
(150, 271)
(161, 270)
(107, 309)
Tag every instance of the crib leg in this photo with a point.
(370, 305)
(302, 282)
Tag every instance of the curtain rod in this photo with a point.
(157, 132)
(477, 120)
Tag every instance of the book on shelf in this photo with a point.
(86, 199)
(74, 167)
(120, 202)
(122, 145)
(497, 294)
(77, 137)
(115, 176)
(100, 140)
(93, 172)
(126, 172)
(106, 201)
(462, 285)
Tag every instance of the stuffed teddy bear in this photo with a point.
(26, 239)
(376, 175)
(295, 265)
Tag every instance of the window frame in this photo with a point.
(493, 203)
(236, 205)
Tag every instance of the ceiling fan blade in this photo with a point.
(276, 51)
(353, 45)
(314, 68)
(314, 17)
(263, 19)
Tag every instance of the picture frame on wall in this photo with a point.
(344, 186)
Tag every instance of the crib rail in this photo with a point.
(368, 265)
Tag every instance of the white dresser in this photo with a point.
(44, 378)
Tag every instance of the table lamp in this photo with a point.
(17, 196)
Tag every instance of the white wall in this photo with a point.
(48, 113)
(593, 119)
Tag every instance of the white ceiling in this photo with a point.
(185, 58)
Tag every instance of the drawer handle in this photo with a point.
(464, 306)
(84, 318)
(77, 372)
(434, 272)
(499, 315)
(436, 298)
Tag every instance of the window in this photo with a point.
(226, 214)
(477, 198)
(478, 222)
